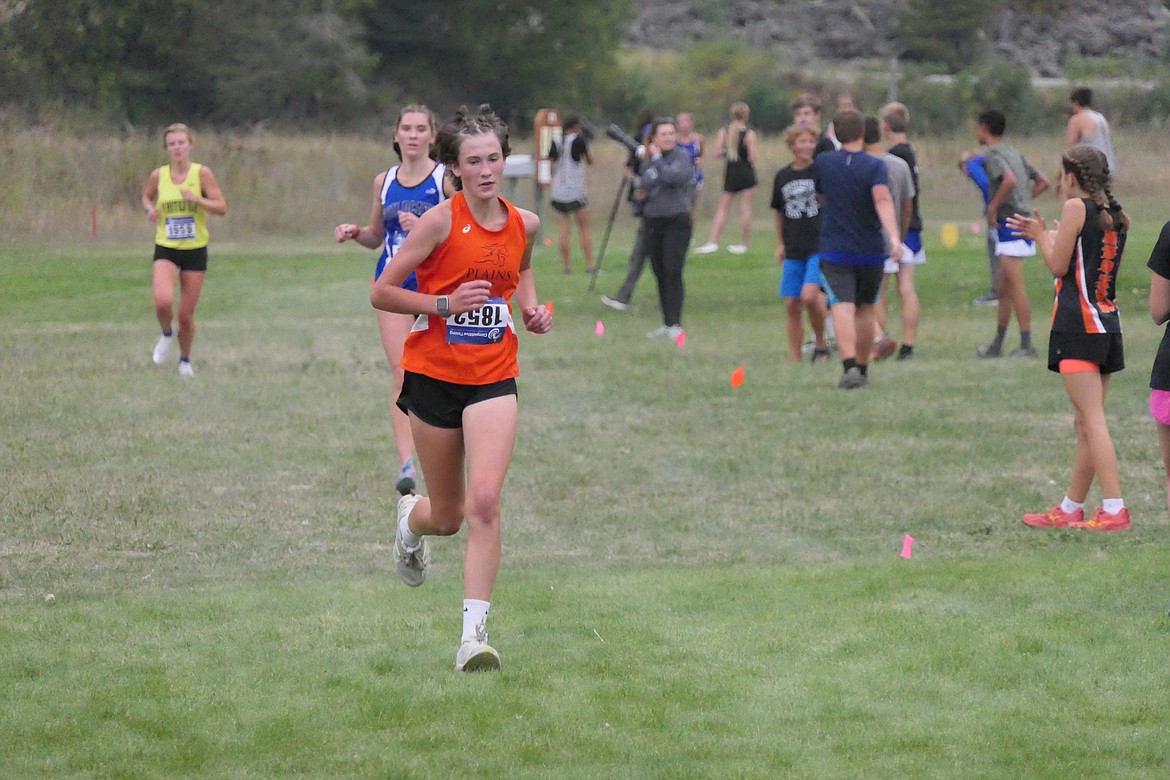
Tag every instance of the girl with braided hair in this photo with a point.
(1084, 255)
(472, 255)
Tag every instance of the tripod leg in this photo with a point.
(617, 201)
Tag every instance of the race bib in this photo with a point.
(180, 228)
(485, 325)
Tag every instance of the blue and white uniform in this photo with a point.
(693, 149)
(415, 200)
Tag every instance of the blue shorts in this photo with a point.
(798, 273)
(410, 283)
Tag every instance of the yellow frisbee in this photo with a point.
(950, 235)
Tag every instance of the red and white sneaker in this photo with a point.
(1055, 518)
(884, 347)
(1103, 521)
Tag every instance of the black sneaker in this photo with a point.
(990, 351)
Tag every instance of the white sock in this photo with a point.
(410, 540)
(1112, 505)
(1068, 505)
(475, 614)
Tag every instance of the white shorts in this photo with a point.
(909, 257)
(1020, 247)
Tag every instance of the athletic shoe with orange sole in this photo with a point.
(1103, 521)
(1055, 518)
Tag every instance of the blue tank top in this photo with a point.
(692, 150)
(415, 200)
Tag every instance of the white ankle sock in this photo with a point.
(1112, 505)
(1068, 505)
(475, 614)
(410, 540)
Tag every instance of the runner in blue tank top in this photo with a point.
(692, 143)
(401, 195)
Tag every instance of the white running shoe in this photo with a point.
(674, 331)
(185, 369)
(410, 565)
(476, 655)
(162, 348)
(707, 249)
(658, 332)
(737, 249)
(614, 303)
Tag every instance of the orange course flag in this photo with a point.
(737, 377)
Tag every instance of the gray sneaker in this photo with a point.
(476, 655)
(1024, 352)
(853, 378)
(411, 565)
(614, 303)
(989, 351)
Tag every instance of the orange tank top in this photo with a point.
(477, 347)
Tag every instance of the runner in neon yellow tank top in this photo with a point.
(178, 197)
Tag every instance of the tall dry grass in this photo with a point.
(296, 187)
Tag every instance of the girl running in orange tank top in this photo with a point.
(473, 258)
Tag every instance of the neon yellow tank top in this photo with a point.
(181, 225)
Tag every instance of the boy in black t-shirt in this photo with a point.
(794, 199)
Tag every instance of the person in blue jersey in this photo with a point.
(858, 232)
(692, 143)
(402, 194)
(178, 197)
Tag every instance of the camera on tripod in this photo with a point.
(617, 134)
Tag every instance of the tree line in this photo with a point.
(340, 64)
(349, 65)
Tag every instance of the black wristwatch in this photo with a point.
(443, 306)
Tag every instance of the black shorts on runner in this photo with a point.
(185, 259)
(856, 284)
(1104, 349)
(440, 404)
(568, 207)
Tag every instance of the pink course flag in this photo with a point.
(600, 329)
(681, 339)
(908, 546)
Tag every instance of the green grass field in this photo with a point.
(698, 580)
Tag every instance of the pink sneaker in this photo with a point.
(1055, 518)
(884, 347)
(1103, 521)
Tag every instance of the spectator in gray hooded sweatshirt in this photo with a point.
(666, 215)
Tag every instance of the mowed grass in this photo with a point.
(698, 580)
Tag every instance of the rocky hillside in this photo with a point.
(836, 30)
